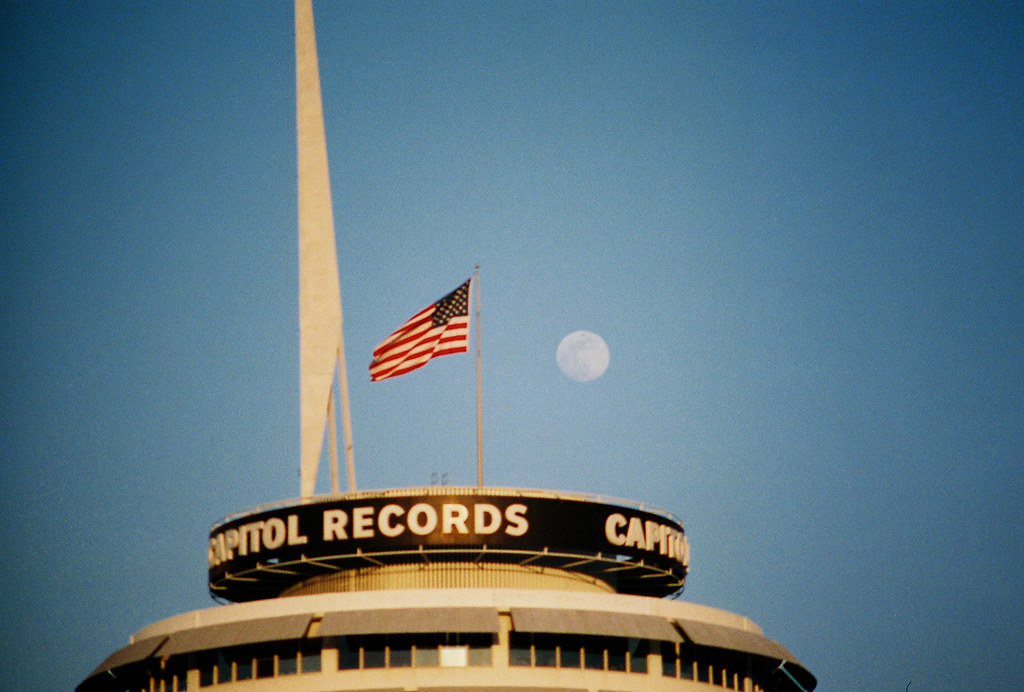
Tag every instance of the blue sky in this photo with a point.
(798, 226)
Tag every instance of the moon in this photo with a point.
(582, 356)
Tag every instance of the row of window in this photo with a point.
(359, 652)
(578, 651)
(713, 666)
(257, 661)
(449, 649)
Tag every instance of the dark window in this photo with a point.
(744, 668)
(164, 679)
(348, 653)
(288, 659)
(669, 657)
(426, 649)
(519, 649)
(545, 646)
(638, 649)
(175, 674)
(617, 647)
(243, 666)
(569, 656)
(479, 648)
(206, 665)
(703, 672)
(686, 658)
(401, 650)
(223, 665)
(311, 657)
(240, 657)
(265, 661)
(593, 653)
(374, 651)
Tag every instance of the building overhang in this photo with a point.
(460, 610)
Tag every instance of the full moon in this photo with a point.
(582, 356)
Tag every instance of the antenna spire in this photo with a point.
(321, 345)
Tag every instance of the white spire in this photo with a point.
(322, 351)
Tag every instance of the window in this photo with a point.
(569, 653)
(223, 667)
(687, 662)
(545, 650)
(311, 653)
(288, 659)
(454, 656)
(638, 649)
(374, 651)
(427, 650)
(704, 665)
(519, 649)
(264, 656)
(206, 667)
(593, 653)
(479, 645)
(214, 668)
(616, 647)
(348, 653)
(242, 658)
(400, 648)
(669, 659)
(172, 674)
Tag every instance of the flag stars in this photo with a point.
(455, 304)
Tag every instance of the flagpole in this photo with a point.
(479, 391)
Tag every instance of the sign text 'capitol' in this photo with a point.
(391, 521)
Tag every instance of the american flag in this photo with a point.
(438, 330)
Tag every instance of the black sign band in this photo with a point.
(343, 531)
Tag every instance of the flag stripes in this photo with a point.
(438, 330)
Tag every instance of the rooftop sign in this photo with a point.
(259, 554)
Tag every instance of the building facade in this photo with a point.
(450, 589)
